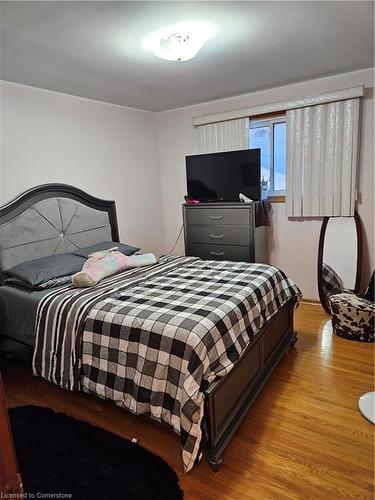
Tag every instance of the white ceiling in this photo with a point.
(93, 49)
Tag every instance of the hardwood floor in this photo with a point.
(303, 438)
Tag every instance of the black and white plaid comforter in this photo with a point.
(152, 339)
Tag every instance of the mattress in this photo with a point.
(18, 308)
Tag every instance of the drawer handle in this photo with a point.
(217, 254)
(216, 236)
(216, 217)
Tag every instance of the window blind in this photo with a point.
(322, 156)
(223, 136)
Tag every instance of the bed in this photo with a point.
(187, 342)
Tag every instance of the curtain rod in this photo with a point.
(302, 102)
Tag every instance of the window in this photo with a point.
(270, 136)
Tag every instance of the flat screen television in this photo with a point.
(222, 176)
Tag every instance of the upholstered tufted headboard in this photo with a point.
(53, 219)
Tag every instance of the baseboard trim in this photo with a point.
(311, 302)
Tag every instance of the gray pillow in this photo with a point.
(105, 245)
(53, 283)
(42, 273)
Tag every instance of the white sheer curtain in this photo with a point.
(322, 156)
(223, 136)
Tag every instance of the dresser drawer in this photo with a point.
(211, 216)
(220, 252)
(220, 235)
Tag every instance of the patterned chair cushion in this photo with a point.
(331, 281)
(352, 317)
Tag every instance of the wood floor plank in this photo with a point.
(303, 438)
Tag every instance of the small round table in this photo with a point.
(366, 405)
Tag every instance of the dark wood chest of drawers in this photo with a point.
(224, 231)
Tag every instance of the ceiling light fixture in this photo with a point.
(180, 42)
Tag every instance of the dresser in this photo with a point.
(224, 231)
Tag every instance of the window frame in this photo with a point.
(275, 196)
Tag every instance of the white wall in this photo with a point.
(293, 244)
(107, 150)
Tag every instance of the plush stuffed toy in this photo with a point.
(99, 265)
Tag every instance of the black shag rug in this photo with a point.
(59, 454)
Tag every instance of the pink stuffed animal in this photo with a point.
(99, 265)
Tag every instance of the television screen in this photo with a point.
(223, 176)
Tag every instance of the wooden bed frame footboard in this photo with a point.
(228, 399)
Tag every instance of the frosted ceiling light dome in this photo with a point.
(180, 42)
